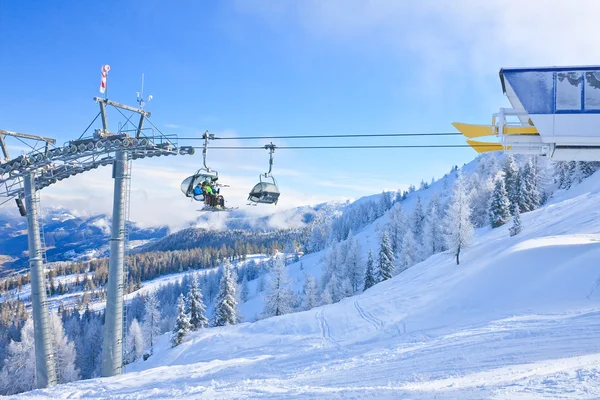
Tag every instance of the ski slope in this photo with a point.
(518, 319)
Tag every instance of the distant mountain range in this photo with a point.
(69, 237)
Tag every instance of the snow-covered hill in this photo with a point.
(517, 319)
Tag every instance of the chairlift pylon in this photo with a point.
(265, 192)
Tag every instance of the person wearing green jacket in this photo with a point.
(209, 194)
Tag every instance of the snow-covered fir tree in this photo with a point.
(332, 264)
(500, 205)
(182, 325)
(310, 296)
(195, 307)
(370, 273)
(433, 235)
(511, 180)
(396, 227)
(418, 222)
(135, 342)
(458, 219)
(385, 259)
(279, 299)
(226, 311)
(354, 266)
(531, 196)
(316, 241)
(152, 320)
(562, 175)
(482, 187)
(516, 228)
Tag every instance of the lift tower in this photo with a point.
(21, 179)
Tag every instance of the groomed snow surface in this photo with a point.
(518, 319)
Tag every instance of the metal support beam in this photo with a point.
(4, 148)
(140, 126)
(44, 355)
(27, 136)
(123, 106)
(103, 116)
(112, 350)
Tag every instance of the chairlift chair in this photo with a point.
(202, 175)
(265, 192)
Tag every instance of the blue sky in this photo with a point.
(254, 67)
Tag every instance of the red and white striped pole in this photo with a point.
(105, 69)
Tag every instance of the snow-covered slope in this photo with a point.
(517, 319)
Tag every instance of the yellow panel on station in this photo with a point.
(484, 147)
(474, 131)
(520, 130)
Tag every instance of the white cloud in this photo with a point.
(462, 36)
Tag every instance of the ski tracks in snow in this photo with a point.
(367, 316)
(324, 327)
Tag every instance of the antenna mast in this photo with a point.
(140, 96)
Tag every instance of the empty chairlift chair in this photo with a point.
(265, 192)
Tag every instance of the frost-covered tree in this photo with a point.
(562, 174)
(433, 235)
(64, 352)
(326, 297)
(418, 221)
(331, 264)
(385, 259)
(531, 195)
(408, 256)
(511, 180)
(516, 228)
(18, 373)
(310, 297)
(396, 227)
(500, 205)
(316, 240)
(334, 290)
(386, 201)
(195, 307)
(226, 311)
(458, 219)
(151, 323)
(280, 299)
(135, 342)
(91, 350)
(482, 188)
(346, 289)
(182, 324)
(370, 274)
(354, 266)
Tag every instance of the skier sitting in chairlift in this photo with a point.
(198, 192)
(208, 193)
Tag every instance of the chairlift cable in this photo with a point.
(329, 136)
(346, 147)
